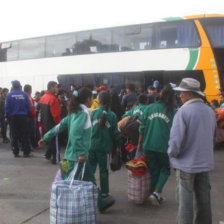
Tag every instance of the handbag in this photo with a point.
(116, 161)
(73, 201)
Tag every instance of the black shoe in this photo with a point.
(47, 157)
(16, 155)
(53, 162)
(108, 205)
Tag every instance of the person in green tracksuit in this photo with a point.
(153, 140)
(78, 124)
(139, 109)
(104, 134)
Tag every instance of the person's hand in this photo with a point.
(41, 143)
(82, 159)
(139, 147)
(119, 150)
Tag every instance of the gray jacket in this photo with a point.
(192, 138)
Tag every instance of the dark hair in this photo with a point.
(61, 92)
(131, 87)
(167, 97)
(215, 102)
(27, 88)
(51, 84)
(152, 88)
(142, 98)
(60, 86)
(42, 93)
(105, 100)
(83, 94)
(115, 103)
(5, 90)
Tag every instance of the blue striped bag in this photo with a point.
(73, 201)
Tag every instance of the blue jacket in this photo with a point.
(192, 138)
(17, 103)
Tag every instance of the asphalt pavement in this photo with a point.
(25, 193)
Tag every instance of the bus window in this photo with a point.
(9, 51)
(32, 48)
(127, 38)
(176, 35)
(60, 45)
(103, 40)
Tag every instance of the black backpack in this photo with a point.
(131, 129)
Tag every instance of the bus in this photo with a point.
(166, 50)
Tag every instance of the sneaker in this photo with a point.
(106, 195)
(155, 200)
(108, 205)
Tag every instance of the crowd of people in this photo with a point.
(177, 127)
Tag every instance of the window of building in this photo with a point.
(60, 45)
(32, 48)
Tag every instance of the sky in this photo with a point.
(21, 19)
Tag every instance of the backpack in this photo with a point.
(132, 129)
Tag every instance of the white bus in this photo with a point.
(167, 51)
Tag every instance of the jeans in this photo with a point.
(193, 196)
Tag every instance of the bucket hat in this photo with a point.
(191, 85)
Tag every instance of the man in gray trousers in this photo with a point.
(191, 154)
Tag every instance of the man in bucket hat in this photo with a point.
(191, 153)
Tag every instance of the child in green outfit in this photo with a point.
(104, 134)
(78, 124)
(154, 135)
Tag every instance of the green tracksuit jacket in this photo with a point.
(79, 133)
(102, 138)
(136, 111)
(155, 127)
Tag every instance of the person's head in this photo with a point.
(94, 92)
(37, 96)
(156, 84)
(167, 96)
(16, 84)
(221, 97)
(151, 90)
(60, 87)
(27, 88)
(189, 89)
(72, 87)
(215, 103)
(83, 96)
(105, 101)
(52, 87)
(42, 93)
(143, 99)
(5, 92)
(130, 88)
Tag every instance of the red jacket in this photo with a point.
(50, 110)
(33, 110)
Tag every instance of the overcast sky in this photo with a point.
(31, 18)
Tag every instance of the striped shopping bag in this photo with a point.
(73, 201)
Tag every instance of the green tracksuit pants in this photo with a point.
(159, 166)
(101, 158)
(88, 176)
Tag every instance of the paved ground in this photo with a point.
(25, 193)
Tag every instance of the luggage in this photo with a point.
(116, 161)
(138, 187)
(131, 129)
(58, 176)
(73, 201)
